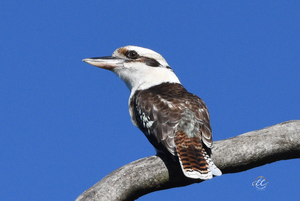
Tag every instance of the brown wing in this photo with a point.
(176, 121)
(159, 110)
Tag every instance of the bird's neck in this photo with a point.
(146, 78)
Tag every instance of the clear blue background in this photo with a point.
(65, 124)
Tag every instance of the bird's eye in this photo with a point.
(132, 54)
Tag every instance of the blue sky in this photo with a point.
(65, 124)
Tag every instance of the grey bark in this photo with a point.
(240, 153)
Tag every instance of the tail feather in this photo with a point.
(213, 168)
(195, 162)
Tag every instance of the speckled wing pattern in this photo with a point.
(176, 121)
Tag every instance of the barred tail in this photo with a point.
(195, 162)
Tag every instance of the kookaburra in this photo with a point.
(172, 119)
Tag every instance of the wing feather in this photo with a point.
(177, 121)
(164, 105)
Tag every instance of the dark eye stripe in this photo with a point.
(148, 61)
(151, 62)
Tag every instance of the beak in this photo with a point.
(107, 63)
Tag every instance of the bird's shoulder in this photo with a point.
(169, 98)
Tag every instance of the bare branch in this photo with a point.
(246, 151)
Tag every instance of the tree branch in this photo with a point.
(240, 153)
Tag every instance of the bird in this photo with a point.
(175, 121)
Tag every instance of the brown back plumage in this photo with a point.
(176, 121)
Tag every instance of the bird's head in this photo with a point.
(140, 68)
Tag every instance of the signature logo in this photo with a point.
(260, 183)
